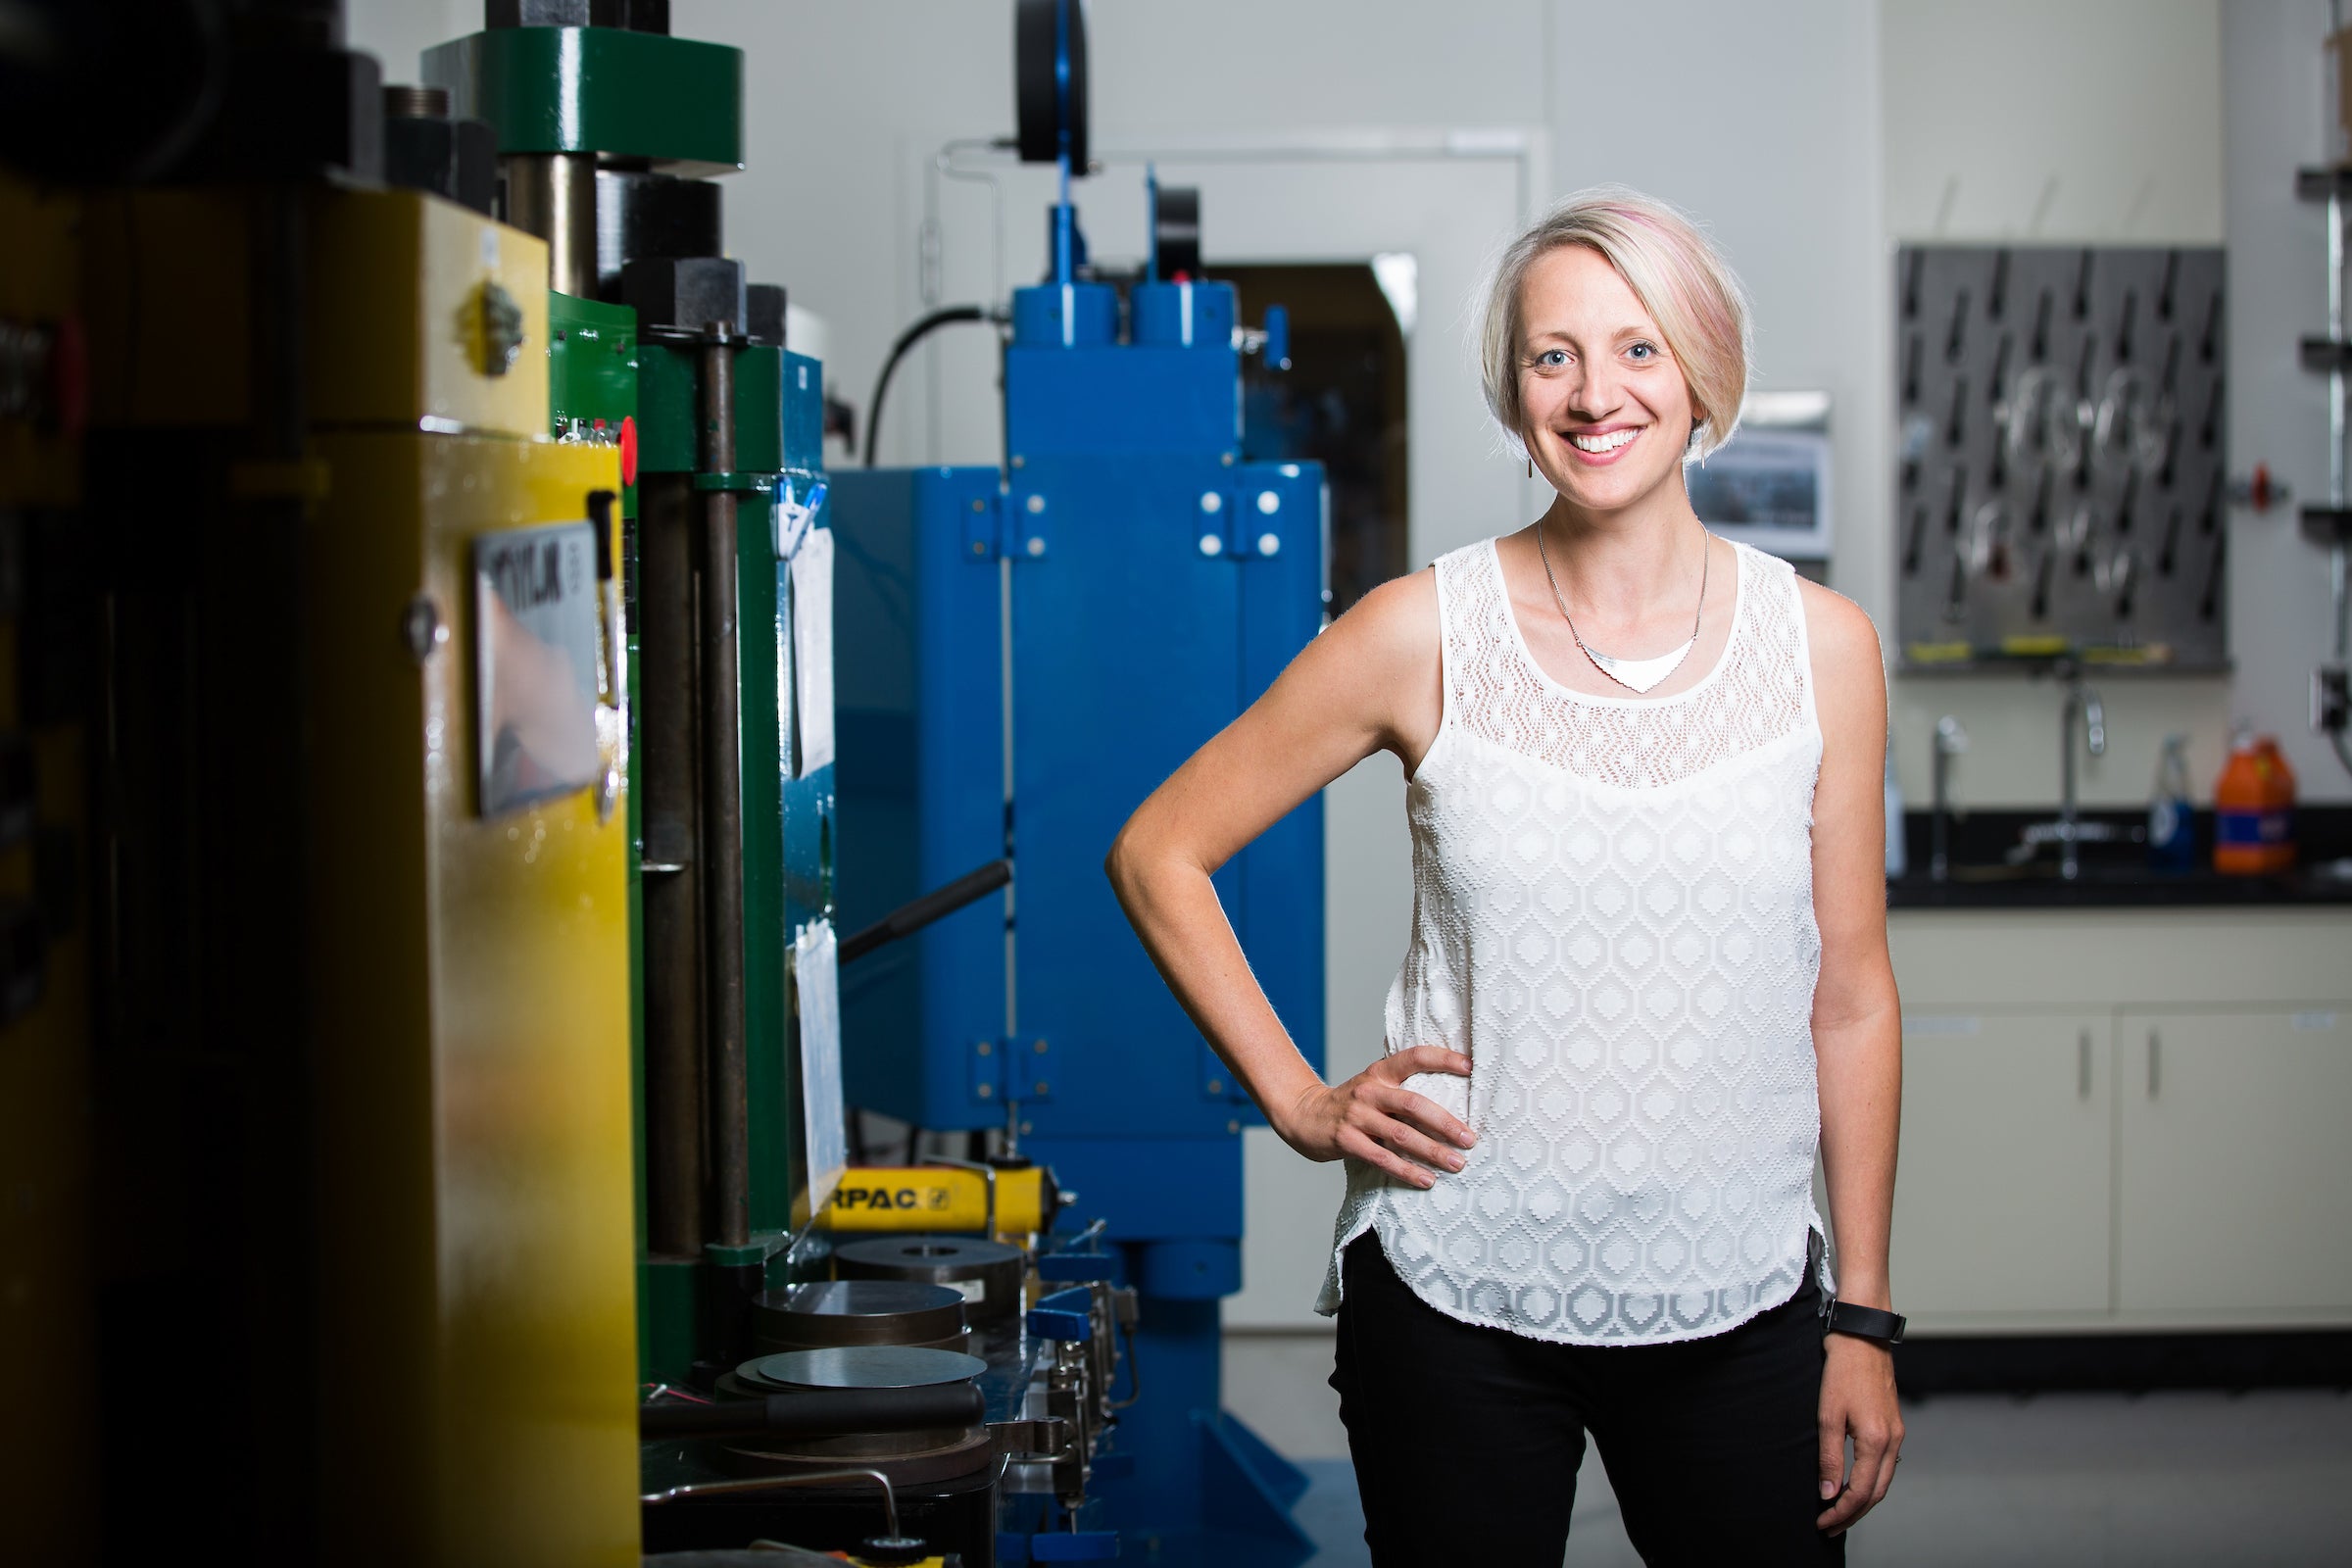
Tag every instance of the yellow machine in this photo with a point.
(469, 968)
(443, 1258)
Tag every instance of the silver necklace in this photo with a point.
(1634, 674)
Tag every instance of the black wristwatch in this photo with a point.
(1863, 1322)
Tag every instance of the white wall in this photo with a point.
(397, 31)
(2052, 121)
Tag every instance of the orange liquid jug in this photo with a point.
(2254, 810)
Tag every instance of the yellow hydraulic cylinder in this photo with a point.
(942, 1198)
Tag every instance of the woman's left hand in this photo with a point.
(1857, 1401)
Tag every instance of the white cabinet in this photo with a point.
(2236, 1145)
(2215, 1193)
(2003, 1199)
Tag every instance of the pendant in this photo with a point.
(1638, 674)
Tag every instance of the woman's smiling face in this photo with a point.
(1608, 412)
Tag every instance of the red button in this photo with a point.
(628, 449)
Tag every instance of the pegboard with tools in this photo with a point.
(2062, 488)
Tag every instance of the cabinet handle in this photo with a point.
(2082, 1065)
(2155, 1063)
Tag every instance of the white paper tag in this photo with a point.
(791, 521)
(790, 518)
(813, 651)
(817, 986)
(969, 1290)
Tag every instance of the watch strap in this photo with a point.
(1864, 1322)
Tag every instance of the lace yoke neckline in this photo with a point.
(1527, 652)
(1758, 691)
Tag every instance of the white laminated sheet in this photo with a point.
(817, 986)
(813, 651)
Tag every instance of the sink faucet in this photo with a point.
(2079, 699)
(1950, 741)
(2082, 707)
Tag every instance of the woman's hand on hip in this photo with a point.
(1374, 1118)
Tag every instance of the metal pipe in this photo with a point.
(2339, 584)
(805, 1477)
(552, 195)
(2069, 864)
(1950, 741)
(670, 748)
(2080, 699)
(722, 809)
(2336, 332)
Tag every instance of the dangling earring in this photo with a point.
(1531, 465)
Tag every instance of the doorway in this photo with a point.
(1342, 402)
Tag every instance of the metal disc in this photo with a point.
(928, 1251)
(861, 1366)
(831, 1312)
(864, 1298)
(988, 1274)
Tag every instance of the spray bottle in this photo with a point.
(2171, 831)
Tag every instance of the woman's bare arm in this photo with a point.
(1857, 1042)
(1368, 683)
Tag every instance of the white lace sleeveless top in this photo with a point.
(1614, 919)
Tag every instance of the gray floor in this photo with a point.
(2053, 1478)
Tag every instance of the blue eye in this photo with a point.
(1552, 359)
(1642, 351)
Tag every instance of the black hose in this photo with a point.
(945, 315)
(910, 917)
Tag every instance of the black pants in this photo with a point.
(1467, 1440)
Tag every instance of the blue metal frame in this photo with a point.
(1156, 585)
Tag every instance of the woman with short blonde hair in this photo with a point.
(1647, 978)
(1685, 284)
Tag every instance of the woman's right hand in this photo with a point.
(1373, 1119)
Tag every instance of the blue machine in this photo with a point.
(1113, 596)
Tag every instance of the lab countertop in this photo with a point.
(2115, 875)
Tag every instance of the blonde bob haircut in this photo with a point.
(1681, 279)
